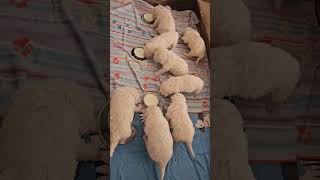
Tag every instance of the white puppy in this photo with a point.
(186, 83)
(170, 62)
(164, 21)
(252, 70)
(121, 129)
(165, 40)
(229, 28)
(230, 142)
(158, 139)
(180, 122)
(195, 43)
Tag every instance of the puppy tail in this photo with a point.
(162, 170)
(190, 149)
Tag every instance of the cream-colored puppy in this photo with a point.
(164, 21)
(165, 40)
(186, 83)
(158, 139)
(195, 43)
(122, 107)
(170, 62)
(180, 122)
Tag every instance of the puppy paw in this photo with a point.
(142, 117)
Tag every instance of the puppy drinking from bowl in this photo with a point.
(158, 139)
(121, 129)
(168, 40)
(164, 21)
(180, 122)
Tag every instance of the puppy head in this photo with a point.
(189, 30)
(184, 39)
(157, 10)
(134, 93)
(197, 81)
(147, 51)
(163, 90)
(152, 111)
(189, 33)
(160, 55)
(178, 97)
(169, 86)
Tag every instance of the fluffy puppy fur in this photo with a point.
(170, 62)
(186, 83)
(232, 163)
(195, 43)
(158, 139)
(164, 21)
(228, 28)
(165, 40)
(180, 122)
(40, 137)
(253, 70)
(121, 129)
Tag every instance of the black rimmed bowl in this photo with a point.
(138, 53)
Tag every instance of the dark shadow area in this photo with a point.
(54, 86)
(281, 129)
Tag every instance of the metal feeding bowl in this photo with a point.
(147, 18)
(138, 53)
(150, 99)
